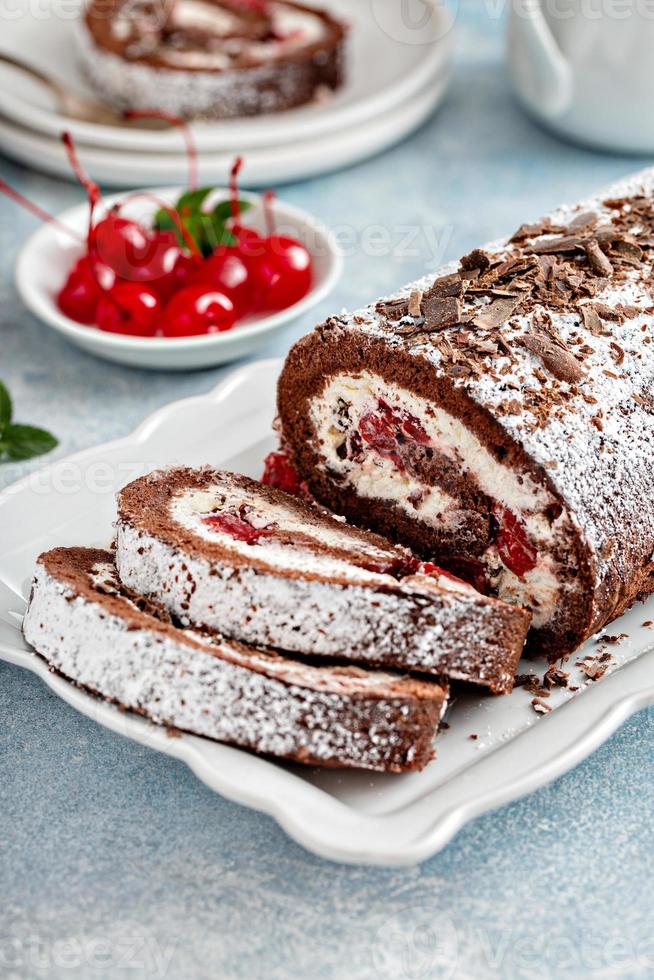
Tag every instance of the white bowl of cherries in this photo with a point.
(168, 279)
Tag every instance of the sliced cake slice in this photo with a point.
(224, 552)
(87, 627)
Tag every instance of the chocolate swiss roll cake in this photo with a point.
(125, 649)
(498, 417)
(210, 58)
(227, 553)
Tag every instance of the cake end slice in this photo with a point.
(120, 647)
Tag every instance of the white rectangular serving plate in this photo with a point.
(356, 817)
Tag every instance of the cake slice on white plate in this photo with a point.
(125, 649)
(224, 552)
(215, 59)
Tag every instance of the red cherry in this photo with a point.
(237, 527)
(249, 242)
(227, 272)
(161, 260)
(197, 310)
(121, 244)
(279, 472)
(516, 550)
(415, 431)
(379, 433)
(283, 273)
(129, 308)
(411, 427)
(178, 277)
(79, 296)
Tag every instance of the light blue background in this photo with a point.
(115, 861)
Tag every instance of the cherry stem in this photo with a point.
(233, 188)
(185, 130)
(268, 198)
(36, 210)
(91, 188)
(183, 231)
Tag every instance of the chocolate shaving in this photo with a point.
(555, 355)
(617, 353)
(614, 638)
(628, 312)
(555, 678)
(593, 670)
(495, 313)
(535, 230)
(584, 220)
(608, 312)
(561, 245)
(592, 320)
(393, 309)
(597, 260)
(440, 312)
(413, 306)
(451, 285)
(628, 249)
(477, 259)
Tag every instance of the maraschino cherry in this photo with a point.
(123, 245)
(283, 272)
(227, 271)
(281, 473)
(131, 308)
(197, 310)
(170, 280)
(516, 550)
(78, 298)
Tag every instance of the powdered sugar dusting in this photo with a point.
(597, 447)
(215, 689)
(412, 624)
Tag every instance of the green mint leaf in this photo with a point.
(192, 201)
(223, 210)
(24, 441)
(163, 221)
(223, 236)
(5, 407)
(207, 228)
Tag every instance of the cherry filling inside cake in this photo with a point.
(496, 526)
(277, 535)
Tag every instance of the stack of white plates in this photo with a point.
(396, 76)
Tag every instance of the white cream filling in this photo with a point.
(447, 434)
(305, 25)
(379, 477)
(376, 476)
(296, 28)
(191, 507)
(203, 16)
(539, 589)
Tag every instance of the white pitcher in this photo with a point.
(586, 68)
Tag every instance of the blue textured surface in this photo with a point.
(115, 861)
